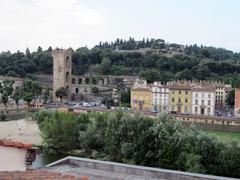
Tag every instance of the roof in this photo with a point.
(40, 174)
(102, 170)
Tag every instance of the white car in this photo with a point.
(77, 105)
(85, 104)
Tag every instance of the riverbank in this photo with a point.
(23, 130)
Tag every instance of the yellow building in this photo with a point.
(180, 98)
(141, 99)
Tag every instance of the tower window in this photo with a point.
(80, 81)
(67, 77)
(68, 62)
(73, 80)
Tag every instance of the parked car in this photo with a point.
(229, 114)
(184, 113)
(153, 111)
(85, 104)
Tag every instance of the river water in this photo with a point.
(44, 159)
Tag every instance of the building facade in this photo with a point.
(160, 94)
(222, 91)
(180, 98)
(237, 103)
(203, 100)
(141, 96)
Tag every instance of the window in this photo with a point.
(209, 102)
(186, 100)
(67, 77)
(202, 95)
(208, 110)
(173, 100)
(179, 92)
(202, 102)
(196, 95)
(209, 95)
(179, 100)
(196, 109)
(185, 109)
(67, 62)
(196, 101)
(73, 80)
(76, 90)
(79, 81)
(87, 81)
(173, 92)
(186, 92)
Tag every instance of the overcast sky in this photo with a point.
(76, 23)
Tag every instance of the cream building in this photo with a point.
(160, 95)
(203, 100)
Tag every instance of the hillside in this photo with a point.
(150, 59)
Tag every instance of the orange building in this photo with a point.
(237, 103)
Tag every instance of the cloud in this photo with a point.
(45, 22)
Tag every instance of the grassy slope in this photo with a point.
(227, 137)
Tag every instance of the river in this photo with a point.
(44, 159)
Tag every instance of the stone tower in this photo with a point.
(62, 70)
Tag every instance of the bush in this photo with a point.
(3, 117)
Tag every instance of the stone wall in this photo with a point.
(213, 127)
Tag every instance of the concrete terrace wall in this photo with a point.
(144, 172)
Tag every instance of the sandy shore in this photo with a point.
(21, 130)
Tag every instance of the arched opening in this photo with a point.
(67, 77)
(68, 62)
(80, 81)
(73, 80)
(87, 80)
(94, 81)
(76, 90)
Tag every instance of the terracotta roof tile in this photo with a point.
(41, 174)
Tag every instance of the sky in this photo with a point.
(78, 23)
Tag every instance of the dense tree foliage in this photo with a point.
(31, 90)
(160, 142)
(161, 61)
(61, 93)
(19, 64)
(6, 91)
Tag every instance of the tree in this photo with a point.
(17, 96)
(125, 98)
(39, 49)
(28, 54)
(61, 131)
(105, 65)
(6, 89)
(46, 95)
(36, 90)
(231, 98)
(31, 90)
(61, 93)
(95, 90)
